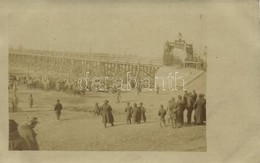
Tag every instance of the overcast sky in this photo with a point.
(137, 29)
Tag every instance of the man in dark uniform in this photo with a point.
(142, 110)
(194, 95)
(162, 113)
(180, 106)
(97, 110)
(57, 109)
(190, 103)
(172, 113)
(128, 111)
(107, 115)
(135, 113)
(199, 106)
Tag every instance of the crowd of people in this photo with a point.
(171, 115)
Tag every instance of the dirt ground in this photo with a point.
(78, 129)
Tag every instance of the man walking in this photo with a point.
(57, 109)
(107, 115)
(128, 111)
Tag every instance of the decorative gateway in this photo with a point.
(175, 53)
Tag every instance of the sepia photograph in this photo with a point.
(121, 80)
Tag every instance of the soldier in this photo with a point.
(190, 103)
(30, 101)
(162, 113)
(16, 142)
(26, 131)
(107, 115)
(15, 101)
(118, 96)
(143, 110)
(180, 106)
(135, 113)
(172, 112)
(57, 109)
(97, 110)
(199, 106)
(128, 111)
(194, 95)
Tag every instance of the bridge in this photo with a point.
(72, 64)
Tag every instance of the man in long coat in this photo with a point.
(142, 112)
(57, 109)
(199, 106)
(27, 133)
(180, 106)
(107, 115)
(128, 111)
(135, 114)
(190, 103)
(16, 142)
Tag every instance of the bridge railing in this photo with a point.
(86, 56)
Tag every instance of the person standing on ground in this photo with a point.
(118, 96)
(199, 106)
(107, 115)
(190, 103)
(30, 101)
(16, 142)
(162, 113)
(27, 133)
(194, 95)
(180, 106)
(171, 110)
(142, 110)
(57, 109)
(128, 111)
(15, 101)
(97, 110)
(135, 115)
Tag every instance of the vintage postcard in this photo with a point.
(126, 77)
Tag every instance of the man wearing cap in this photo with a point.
(107, 115)
(180, 107)
(190, 103)
(128, 111)
(172, 112)
(135, 113)
(162, 113)
(142, 110)
(27, 133)
(199, 106)
(16, 142)
(57, 109)
(194, 95)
